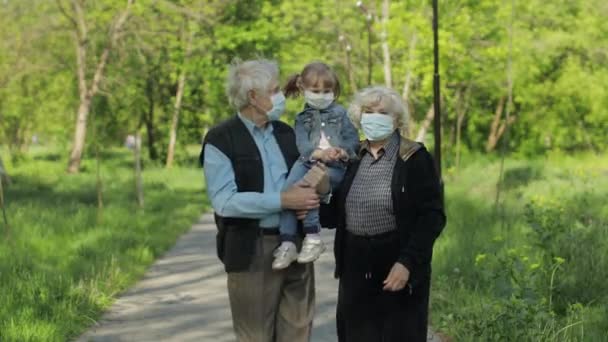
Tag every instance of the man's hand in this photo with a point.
(301, 214)
(299, 197)
(397, 278)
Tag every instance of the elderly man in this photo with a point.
(246, 160)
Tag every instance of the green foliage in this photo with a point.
(65, 261)
(535, 269)
(559, 65)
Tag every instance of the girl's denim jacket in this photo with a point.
(338, 129)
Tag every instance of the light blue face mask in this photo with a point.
(278, 106)
(377, 126)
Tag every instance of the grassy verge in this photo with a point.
(65, 260)
(533, 269)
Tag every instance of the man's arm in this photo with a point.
(228, 202)
(222, 190)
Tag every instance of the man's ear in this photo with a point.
(252, 95)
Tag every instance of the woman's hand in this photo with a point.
(397, 278)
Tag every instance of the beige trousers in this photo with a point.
(268, 305)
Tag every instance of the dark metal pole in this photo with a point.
(436, 94)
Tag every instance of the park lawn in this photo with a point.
(64, 261)
(536, 268)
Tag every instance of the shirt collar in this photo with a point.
(389, 150)
(252, 128)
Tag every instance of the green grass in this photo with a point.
(535, 269)
(65, 261)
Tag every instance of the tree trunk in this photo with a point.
(148, 119)
(349, 69)
(99, 182)
(407, 84)
(462, 112)
(178, 104)
(79, 136)
(4, 177)
(87, 93)
(7, 229)
(139, 187)
(149, 122)
(388, 78)
(494, 128)
(370, 64)
(408, 75)
(175, 119)
(425, 124)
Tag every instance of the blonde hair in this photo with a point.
(387, 98)
(249, 75)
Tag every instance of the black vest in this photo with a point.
(236, 236)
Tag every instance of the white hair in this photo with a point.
(244, 77)
(387, 98)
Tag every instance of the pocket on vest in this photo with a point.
(237, 247)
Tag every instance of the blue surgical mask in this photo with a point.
(278, 106)
(377, 126)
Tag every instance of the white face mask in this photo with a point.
(317, 100)
(377, 126)
(278, 106)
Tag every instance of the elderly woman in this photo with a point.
(390, 213)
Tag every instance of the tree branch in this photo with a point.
(66, 14)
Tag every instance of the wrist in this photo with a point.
(406, 262)
(284, 199)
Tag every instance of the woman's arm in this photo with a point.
(425, 196)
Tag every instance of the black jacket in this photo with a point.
(417, 199)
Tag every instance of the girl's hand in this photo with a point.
(317, 154)
(327, 155)
(342, 154)
(334, 153)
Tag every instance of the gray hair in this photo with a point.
(379, 95)
(244, 77)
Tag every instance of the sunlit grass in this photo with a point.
(494, 264)
(64, 260)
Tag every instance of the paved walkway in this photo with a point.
(183, 297)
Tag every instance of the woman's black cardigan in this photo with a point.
(418, 202)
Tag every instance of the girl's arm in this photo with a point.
(305, 147)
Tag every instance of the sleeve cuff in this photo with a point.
(407, 262)
(273, 202)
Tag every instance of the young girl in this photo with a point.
(324, 133)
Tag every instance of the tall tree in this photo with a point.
(4, 177)
(186, 37)
(88, 89)
(388, 76)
